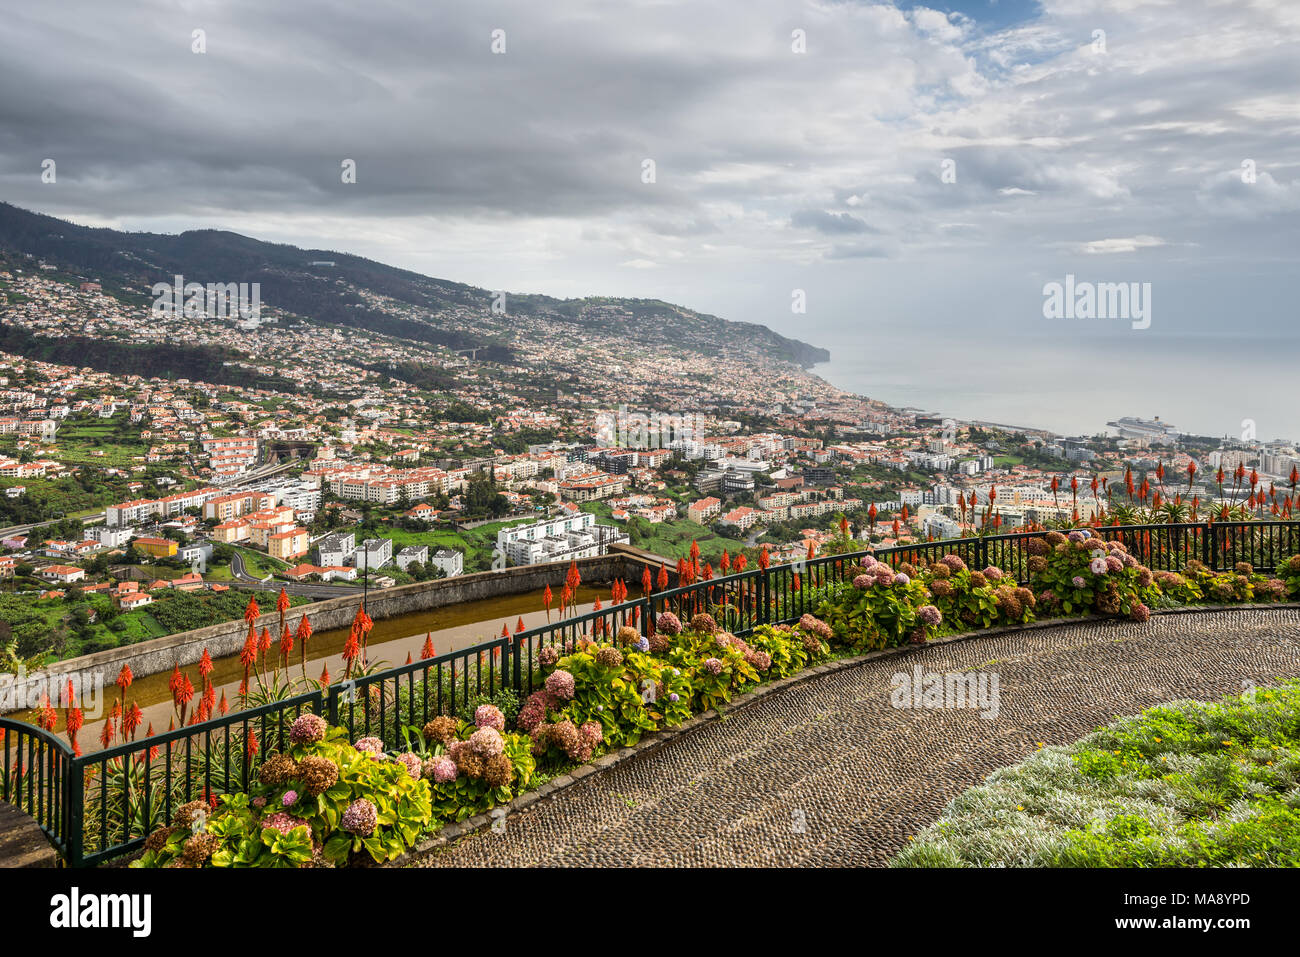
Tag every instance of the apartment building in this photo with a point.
(373, 553)
(590, 488)
(449, 560)
(704, 510)
(335, 549)
(412, 553)
(288, 544)
(142, 510)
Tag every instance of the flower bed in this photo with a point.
(599, 694)
(1070, 575)
(321, 803)
(1185, 784)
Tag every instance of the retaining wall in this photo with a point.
(185, 648)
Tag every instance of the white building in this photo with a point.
(373, 553)
(558, 539)
(449, 560)
(412, 553)
(334, 550)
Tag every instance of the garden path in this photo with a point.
(828, 772)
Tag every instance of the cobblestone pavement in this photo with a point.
(862, 775)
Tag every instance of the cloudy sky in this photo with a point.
(795, 146)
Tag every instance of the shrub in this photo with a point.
(876, 610)
(476, 769)
(1289, 573)
(1087, 575)
(504, 700)
(319, 804)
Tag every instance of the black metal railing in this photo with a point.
(102, 805)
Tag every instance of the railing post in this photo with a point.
(1212, 558)
(764, 597)
(518, 655)
(332, 706)
(76, 796)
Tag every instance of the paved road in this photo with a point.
(24, 529)
(863, 776)
(244, 580)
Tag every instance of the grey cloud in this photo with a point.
(832, 224)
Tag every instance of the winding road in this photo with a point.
(827, 772)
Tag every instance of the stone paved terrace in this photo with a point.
(21, 842)
(866, 775)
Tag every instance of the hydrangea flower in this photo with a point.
(442, 769)
(1078, 582)
(560, 684)
(548, 655)
(668, 623)
(993, 573)
(954, 562)
(1141, 612)
(414, 766)
(642, 645)
(862, 582)
(901, 579)
(285, 822)
(1098, 566)
(290, 799)
(674, 697)
(713, 666)
(486, 742)
(1076, 535)
(307, 729)
(1114, 564)
(929, 615)
(370, 745)
(360, 818)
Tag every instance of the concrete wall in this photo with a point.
(185, 648)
